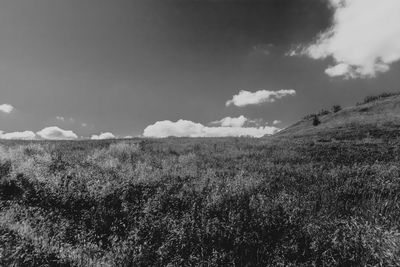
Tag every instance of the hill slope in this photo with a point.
(379, 117)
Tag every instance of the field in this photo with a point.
(201, 202)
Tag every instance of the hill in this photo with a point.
(377, 116)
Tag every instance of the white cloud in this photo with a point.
(6, 108)
(102, 136)
(55, 133)
(363, 40)
(232, 122)
(60, 118)
(26, 135)
(275, 122)
(296, 50)
(168, 128)
(185, 128)
(341, 69)
(83, 124)
(245, 98)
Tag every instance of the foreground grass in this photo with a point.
(200, 202)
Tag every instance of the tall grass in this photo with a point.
(200, 202)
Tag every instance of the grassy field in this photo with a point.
(201, 202)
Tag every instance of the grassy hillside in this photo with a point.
(376, 115)
(200, 202)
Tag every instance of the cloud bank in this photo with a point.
(26, 135)
(232, 122)
(185, 128)
(55, 133)
(245, 98)
(102, 136)
(364, 39)
(6, 108)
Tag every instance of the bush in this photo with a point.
(323, 112)
(336, 108)
(316, 120)
(372, 98)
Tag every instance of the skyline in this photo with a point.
(198, 68)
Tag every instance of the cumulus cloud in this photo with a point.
(275, 122)
(244, 98)
(232, 122)
(341, 69)
(26, 135)
(56, 133)
(185, 128)
(6, 108)
(60, 118)
(102, 136)
(364, 39)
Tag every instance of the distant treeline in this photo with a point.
(372, 98)
(337, 108)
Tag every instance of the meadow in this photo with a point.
(320, 201)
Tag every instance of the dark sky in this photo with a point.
(121, 65)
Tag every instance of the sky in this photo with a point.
(155, 68)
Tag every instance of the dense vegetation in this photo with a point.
(323, 112)
(201, 202)
(381, 96)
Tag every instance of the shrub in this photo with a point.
(323, 112)
(309, 116)
(316, 120)
(372, 98)
(336, 108)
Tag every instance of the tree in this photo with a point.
(316, 120)
(336, 108)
